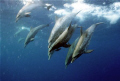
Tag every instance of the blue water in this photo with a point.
(31, 63)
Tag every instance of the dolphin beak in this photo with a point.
(49, 57)
(72, 60)
(16, 19)
(24, 45)
(65, 66)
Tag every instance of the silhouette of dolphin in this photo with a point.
(26, 10)
(32, 33)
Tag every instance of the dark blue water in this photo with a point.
(31, 63)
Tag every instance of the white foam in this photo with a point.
(111, 13)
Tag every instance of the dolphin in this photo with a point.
(26, 9)
(70, 52)
(20, 39)
(84, 42)
(32, 33)
(60, 25)
(62, 40)
(20, 30)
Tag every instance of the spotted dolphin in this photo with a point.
(26, 9)
(63, 39)
(84, 42)
(70, 52)
(32, 33)
(60, 25)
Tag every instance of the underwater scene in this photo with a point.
(59, 40)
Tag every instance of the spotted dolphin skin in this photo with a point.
(84, 42)
(63, 39)
(60, 25)
(32, 33)
(26, 10)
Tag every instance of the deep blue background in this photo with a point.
(31, 63)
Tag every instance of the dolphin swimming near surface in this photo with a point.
(32, 33)
(62, 40)
(26, 10)
(60, 25)
(84, 42)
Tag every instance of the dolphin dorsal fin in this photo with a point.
(56, 18)
(32, 39)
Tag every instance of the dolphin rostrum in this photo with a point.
(84, 42)
(60, 25)
(62, 40)
(32, 33)
(26, 10)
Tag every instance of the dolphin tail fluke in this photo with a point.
(48, 6)
(78, 12)
(99, 23)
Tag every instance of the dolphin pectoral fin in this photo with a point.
(67, 45)
(27, 14)
(57, 49)
(88, 51)
(32, 39)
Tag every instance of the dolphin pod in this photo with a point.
(62, 40)
(26, 10)
(32, 33)
(60, 25)
(60, 34)
(84, 42)
(80, 45)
